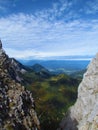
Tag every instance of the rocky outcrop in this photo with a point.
(14, 68)
(84, 114)
(17, 109)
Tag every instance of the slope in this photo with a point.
(17, 110)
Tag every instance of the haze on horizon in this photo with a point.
(39, 29)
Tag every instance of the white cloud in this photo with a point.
(30, 53)
(41, 35)
(23, 32)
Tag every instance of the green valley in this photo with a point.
(53, 95)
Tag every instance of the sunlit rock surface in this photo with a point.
(84, 114)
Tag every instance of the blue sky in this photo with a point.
(40, 29)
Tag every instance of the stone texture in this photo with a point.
(84, 114)
(14, 68)
(17, 109)
(0, 44)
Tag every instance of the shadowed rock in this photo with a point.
(0, 44)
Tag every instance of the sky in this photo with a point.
(43, 29)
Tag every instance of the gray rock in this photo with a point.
(84, 114)
(0, 44)
(17, 109)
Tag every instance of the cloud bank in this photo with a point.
(57, 31)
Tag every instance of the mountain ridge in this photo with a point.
(17, 109)
(60, 66)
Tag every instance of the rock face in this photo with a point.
(0, 44)
(17, 109)
(84, 114)
(14, 68)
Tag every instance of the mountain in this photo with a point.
(17, 107)
(84, 114)
(26, 74)
(21, 73)
(38, 68)
(42, 71)
(14, 68)
(60, 66)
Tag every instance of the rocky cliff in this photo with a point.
(84, 114)
(17, 109)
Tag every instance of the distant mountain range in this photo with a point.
(60, 66)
